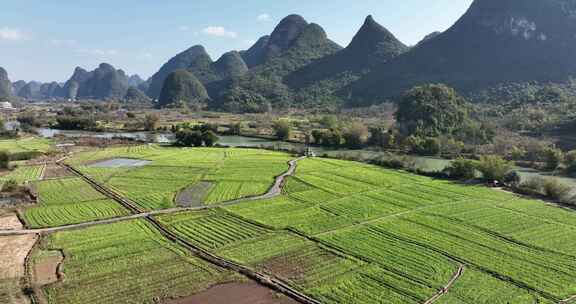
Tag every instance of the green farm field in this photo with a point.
(26, 144)
(126, 263)
(340, 232)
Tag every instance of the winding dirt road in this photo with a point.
(446, 288)
(274, 191)
(569, 300)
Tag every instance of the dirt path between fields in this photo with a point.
(237, 293)
(274, 191)
(446, 288)
(569, 300)
(266, 280)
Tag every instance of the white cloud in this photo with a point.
(219, 31)
(64, 43)
(98, 52)
(146, 55)
(12, 34)
(184, 28)
(264, 18)
(249, 42)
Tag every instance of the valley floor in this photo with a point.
(330, 231)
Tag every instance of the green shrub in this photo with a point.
(210, 138)
(462, 169)
(556, 190)
(282, 129)
(4, 159)
(552, 157)
(493, 167)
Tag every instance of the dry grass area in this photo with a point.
(13, 252)
(46, 268)
(10, 222)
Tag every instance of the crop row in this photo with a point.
(481, 288)
(371, 285)
(236, 173)
(126, 263)
(549, 272)
(73, 213)
(70, 201)
(27, 144)
(23, 174)
(212, 230)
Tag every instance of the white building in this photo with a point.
(6, 106)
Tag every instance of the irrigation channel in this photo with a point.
(265, 279)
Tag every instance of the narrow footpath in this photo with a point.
(446, 288)
(274, 191)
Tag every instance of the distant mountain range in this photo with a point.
(104, 83)
(495, 42)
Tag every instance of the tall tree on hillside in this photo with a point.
(431, 110)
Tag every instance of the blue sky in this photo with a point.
(46, 39)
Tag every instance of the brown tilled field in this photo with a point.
(237, 293)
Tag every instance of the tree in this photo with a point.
(431, 110)
(382, 137)
(151, 122)
(551, 94)
(210, 138)
(552, 157)
(282, 129)
(355, 135)
(493, 167)
(236, 129)
(4, 159)
(189, 138)
(462, 169)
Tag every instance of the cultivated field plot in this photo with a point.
(69, 201)
(126, 262)
(23, 174)
(340, 232)
(27, 144)
(412, 233)
(235, 173)
(302, 262)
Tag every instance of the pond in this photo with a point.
(120, 163)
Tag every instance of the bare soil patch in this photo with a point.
(46, 268)
(10, 222)
(287, 267)
(194, 195)
(13, 252)
(55, 171)
(237, 293)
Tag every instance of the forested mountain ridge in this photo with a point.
(372, 45)
(495, 42)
